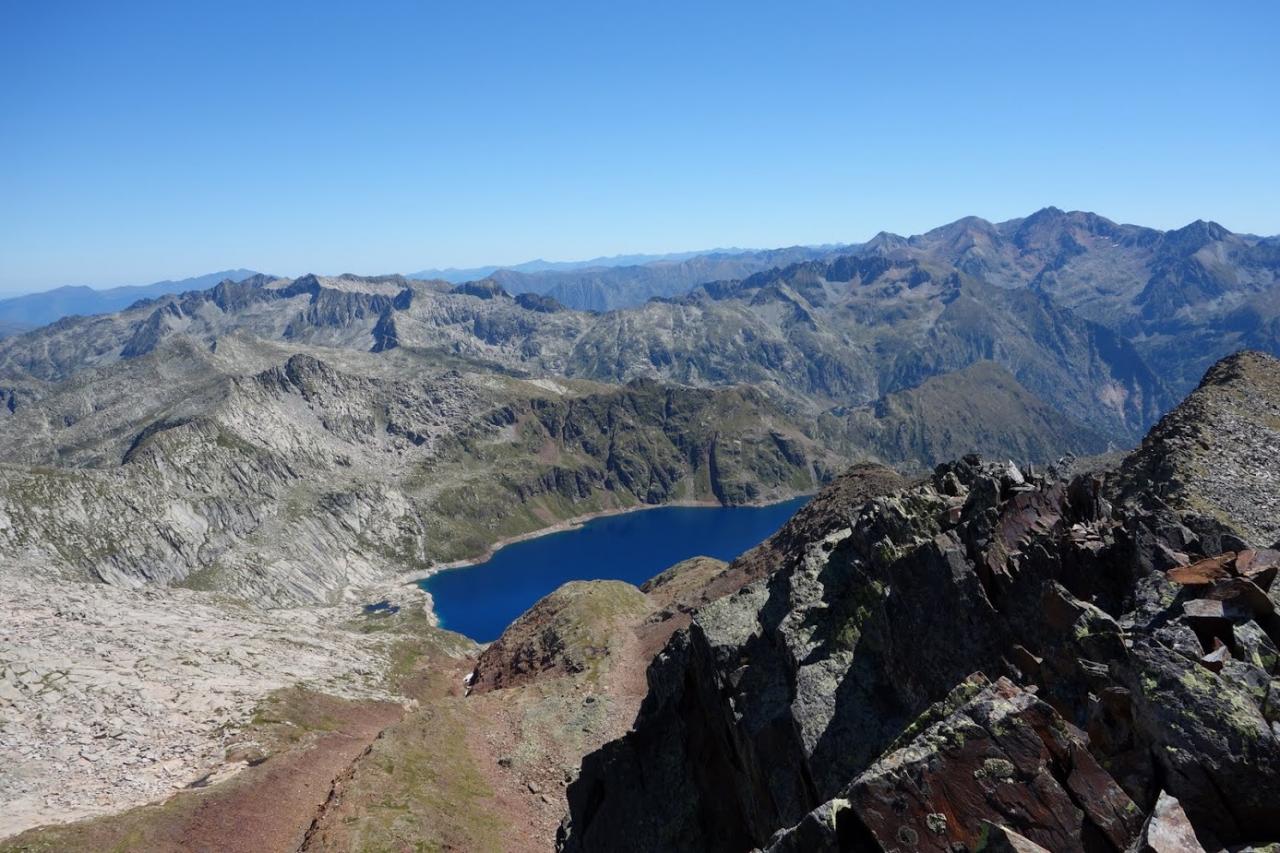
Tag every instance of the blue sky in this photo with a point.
(141, 141)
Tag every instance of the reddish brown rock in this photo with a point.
(1004, 758)
(1203, 572)
(1258, 566)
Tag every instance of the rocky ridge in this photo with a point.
(289, 440)
(819, 336)
(990, 655)
(302, 479)
(1216, 454)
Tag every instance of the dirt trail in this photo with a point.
(265, 807)
(274, 810)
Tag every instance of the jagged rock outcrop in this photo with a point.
(987, 756)
(1119, 644)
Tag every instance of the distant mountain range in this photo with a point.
(598, 284)
(1102, 270)
(626, 286)
(37, 309)
(271, 407)
(624, 281)
(457, 275)
(7, 328)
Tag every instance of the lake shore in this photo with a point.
(576, 522)
(481, 599)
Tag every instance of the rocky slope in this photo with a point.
(301, 478)
(284, 440)
(1215, 457)
(818, 336)
(110, 698)
(979, 659)
(986, 658)
(449, 767)
(989, 412)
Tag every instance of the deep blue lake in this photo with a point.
(483, 599)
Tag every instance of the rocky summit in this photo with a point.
(990, 659)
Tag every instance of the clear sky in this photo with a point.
(141, 141)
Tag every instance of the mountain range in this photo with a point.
(603, 288)
(18, 313)
(457, 275)
(234, 435)
(255, 470)
(1087, 262)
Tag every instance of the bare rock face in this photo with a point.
(1167, 830)
(1130, 650)
(114, 697)
(987, 756)
(1005, 758)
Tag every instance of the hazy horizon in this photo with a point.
(8, 294)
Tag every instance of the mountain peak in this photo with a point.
(1193, 236)
(1047, 213)
(964, 233)
(884, 241)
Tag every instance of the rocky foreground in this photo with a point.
(984, 659)
(989, 660)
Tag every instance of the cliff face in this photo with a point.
(986, 655)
